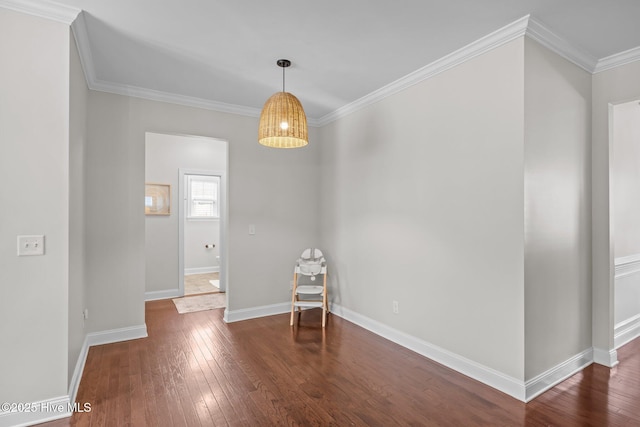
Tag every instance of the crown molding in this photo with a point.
(81, 36)
(43, 9)
(156, 95)
(491, 41)
(525, 26)
(618, 59)
(538, 32)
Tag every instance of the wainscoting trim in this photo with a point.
(626, 331)
(624, 266)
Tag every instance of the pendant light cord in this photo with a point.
(283, 78)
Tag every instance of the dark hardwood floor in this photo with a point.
(194, 369)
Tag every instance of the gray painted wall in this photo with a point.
(267, 188)
(421, 200)
(556, 208)
(34, 199)
(77, 143)
(422, 203)
(626, 178)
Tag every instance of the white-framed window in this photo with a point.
(202, 197)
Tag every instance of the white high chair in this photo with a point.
(311, 263)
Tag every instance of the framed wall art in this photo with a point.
(157, 199)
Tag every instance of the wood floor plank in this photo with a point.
(194, 369)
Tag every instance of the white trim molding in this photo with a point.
(64, 406)
(523, 391)
(43, 9)
(525, 26)
(624, 266)
(626, 331)
(117, 335)
(608, 358)
(201, 270)
(77, 372)
(37, 412)
(155, 95)
(505, 383)
(231, 316)
(543, 382)
(622, 58)
(538, 32)
(99, 338)
(164, 294)
(489, 42)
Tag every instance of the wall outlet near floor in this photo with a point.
(396, 309)
(291, 285)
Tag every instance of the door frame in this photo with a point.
(222, 223)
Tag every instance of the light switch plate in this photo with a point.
(252, 229)
(30, 245)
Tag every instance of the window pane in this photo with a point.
(203, 196)
(202, 208)
(203, 190)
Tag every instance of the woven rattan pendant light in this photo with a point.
(283, 123)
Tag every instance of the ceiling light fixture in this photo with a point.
(283, 123)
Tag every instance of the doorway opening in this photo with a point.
(179, 164)
(200, 221)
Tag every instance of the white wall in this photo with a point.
(77, 143)
(625, 175)
(613, 86)
(265, 188)
(197, 234)
(165, 156)
(422, 203)
(34, 199)
(556, 209)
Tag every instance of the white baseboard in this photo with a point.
(117, 335)
(201, 270)
(63, 406)
(77, 372)
(608, 358)
(37, 412)
(626, 331)
(165, 294)
(543, 382)
(255, 312)
(99, 338)
(513, 387)
(509, 385)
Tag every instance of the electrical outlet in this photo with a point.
(291, 285)
(396, 309)
(85, 314)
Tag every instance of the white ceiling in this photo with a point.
(225, 50)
